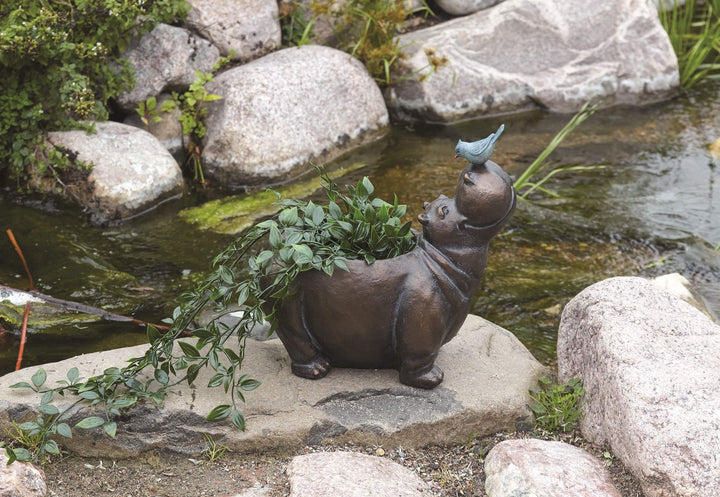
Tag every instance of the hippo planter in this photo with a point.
(397, 313)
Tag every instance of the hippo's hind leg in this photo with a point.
(307, 360)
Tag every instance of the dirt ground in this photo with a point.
(451, 471)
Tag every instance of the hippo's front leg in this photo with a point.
(420, 332)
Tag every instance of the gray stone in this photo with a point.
(168, 130)
(487, 375)
(21, 479)
(463, 7)
(679, 286)
(350, 474)
(246, 28)
(279, 112)
(651, 366)
(539, 468)
(165, 59)
(523, 54)
(131, 171)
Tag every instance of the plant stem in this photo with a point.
(524, 180)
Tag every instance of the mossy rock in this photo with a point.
(231, 215)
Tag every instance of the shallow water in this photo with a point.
(653, 209)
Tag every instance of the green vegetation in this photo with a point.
(525, 184)
(60, 65)
(557, 407)
(233, 214)
(192, 117)
(694, 31)
(302, 236)
(366, 29)
(214, 451)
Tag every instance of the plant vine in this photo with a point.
(301, 236)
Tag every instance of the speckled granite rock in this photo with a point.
(650, 363)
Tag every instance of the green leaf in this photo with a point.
(188, 350)
(192, 373)
(51, 447)
(152, 334)
(48, 409)
(18, 454)
(361, 192)
(341, 264)
(89, 395)
(249, 384)
(369, 188)
(263, 257)
(64, 430)
(47, 397)
(231, 355)
(125, 402)
(318, 215)
(275, 238)
(288, 217)
(90, 422)
(219, 412)
(29, 426)
(216, 380)
(73, 375)
(304, 250)
(238, 420)
(243, 295)
(22, 384)
(162, 377)
(110, 428)
(335, 211)
(38, 379)
(226, 275)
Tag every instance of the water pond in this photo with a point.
(653, 208)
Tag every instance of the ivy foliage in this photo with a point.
(256, 272)
(60, 65)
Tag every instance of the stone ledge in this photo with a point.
(487, 375)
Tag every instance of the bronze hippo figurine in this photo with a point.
(397, 313)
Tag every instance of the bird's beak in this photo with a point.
(456, 156)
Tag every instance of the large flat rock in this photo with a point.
(487, 375)
(528, 54)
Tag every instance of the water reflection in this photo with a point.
(652, 210)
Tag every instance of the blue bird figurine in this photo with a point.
(480, 151)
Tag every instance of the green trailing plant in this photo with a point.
(302, 236)
(60, 65)
(526, 183)
(694, 32)
(557, 407)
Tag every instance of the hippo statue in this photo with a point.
(397, 313)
